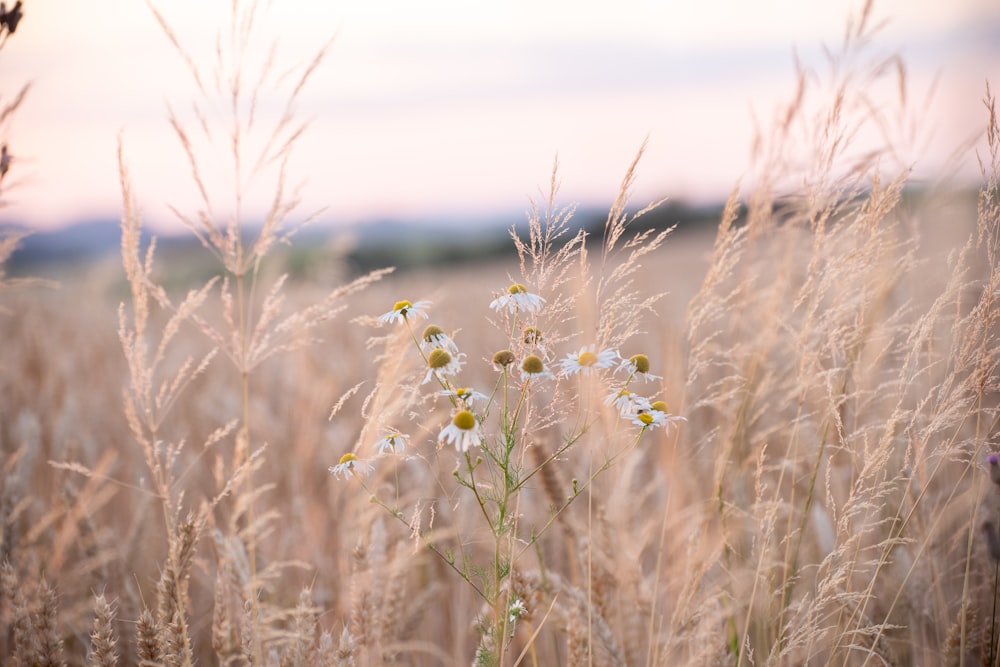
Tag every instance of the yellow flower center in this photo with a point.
(348, 457)
(532, 364)
(646, 418)
(517, 288)
(464, 420)
(431, 332)
(587, 358)
(401, 306)
(503, 358)
(438, 358)
(660, 406)
(640, 362)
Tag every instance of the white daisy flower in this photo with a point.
(649, 418)
(434, 336)
(534, 368)
(517, 609)
(349, 463)
(587, 360)
(518, 298)
(393, 442)
(638, 364)
(657, 415)
(626, 403)
(466, 395)
(464, 431)
(440, 362)
(402, 310)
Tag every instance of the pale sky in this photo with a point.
(454, 109)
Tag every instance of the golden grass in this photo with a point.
(164, 488)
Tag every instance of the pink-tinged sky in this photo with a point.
(456, 109)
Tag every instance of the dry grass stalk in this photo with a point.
(46, 644)
(149, 651)
(172, 593)
(823, 505)
(103, 638)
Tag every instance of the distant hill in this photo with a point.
(403, 244)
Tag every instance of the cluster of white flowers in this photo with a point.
(444, 362)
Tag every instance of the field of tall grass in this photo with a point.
(765, 443)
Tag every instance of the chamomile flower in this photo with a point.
(440, 363)
(349, 463)
(534, 368)
(503, 358)
(392, 442)
(402, 310)
(649, 419)
(517, 609)
(434, 336)
(466, 395)
(638, 364)
(518, 298)
(532, 336)
(657, 415)
(626, 403)
(587, 360)
(464, 431)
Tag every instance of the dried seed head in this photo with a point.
(532, 336)
(532, 364)
(431, 332)
(503, 358)
(438, 358)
